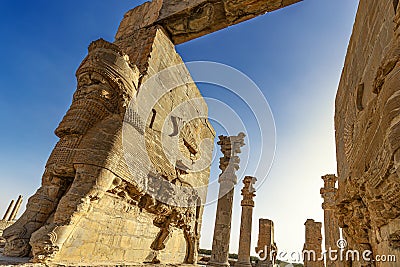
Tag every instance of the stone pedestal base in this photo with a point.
(242, 264)
(218, 264)
(265, 264)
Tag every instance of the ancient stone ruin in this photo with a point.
(247, 203)
(312, 250)
(229, 164)
(99, 201)
(366, 203)
(367, 124)
(331, 226)
(110, 193)
(266, 246)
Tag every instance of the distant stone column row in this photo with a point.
(12, 210)
(229, 164)
(266, 247)
(313, 255)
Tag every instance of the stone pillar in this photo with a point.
(8, 210)
(229, 164)
(331, 226)
(16, 209)
(266, 244)
(248, 193)
(312, 251)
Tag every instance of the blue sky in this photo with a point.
(294, 55)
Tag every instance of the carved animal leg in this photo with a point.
(191, 246)
(90, 184)
(158, 244)
(192, 237)
(39, 208)
(162, 237)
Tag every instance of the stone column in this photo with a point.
(248, 193)
(266, 244)
(8, 210)
(331, 226)
(229, 164)
(16, 209)
(312, 251)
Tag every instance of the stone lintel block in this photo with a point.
(186, 20)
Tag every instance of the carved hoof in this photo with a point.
(17, 244)
(152, 258)
(17, 248)
(47, 241)
(43, 243)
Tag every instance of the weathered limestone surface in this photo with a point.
(367, 123)
(247, 203)
(109, 195)
(266, 243)
(331, 226)
(229, 164)
(189, 19)
(114, 230)
(312, 251)
(72, 216)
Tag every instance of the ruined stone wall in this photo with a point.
(312, 250)
(119, 233)
(266, 243)
(367, 123)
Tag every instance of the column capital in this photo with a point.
(329, 191)
(229, 163)
(248, 191)
(329, 180)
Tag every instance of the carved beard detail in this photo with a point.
(82, 116)
(92, 102)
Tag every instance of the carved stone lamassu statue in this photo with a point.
(79, 169)
(87, 183)
(90, 207)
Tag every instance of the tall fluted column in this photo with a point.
(332, 231)
(8, 210)
(248, 193)
(312, 251)
(229, 164)
(16, 209)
